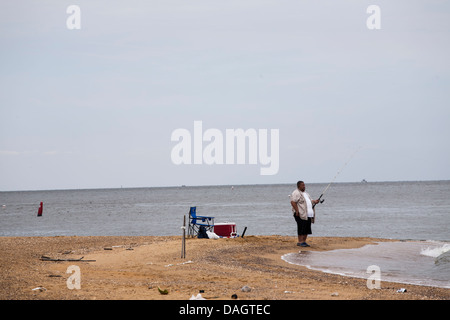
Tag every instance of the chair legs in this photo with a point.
(194, 228)
(191, 230)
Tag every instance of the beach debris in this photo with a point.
(212, 235)
(234, 296)
(67, 252)
(197, 297)
(246, 289)
(107, 248)
(178, 264)
(54, 276)
(401, 290)
(201, 291)
(164, 292)
(335, 294)
(45, 258)
(286, 291)
(40, 289)
(243, 232)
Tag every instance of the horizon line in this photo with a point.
(214, 185)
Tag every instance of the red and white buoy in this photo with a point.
(41, 208)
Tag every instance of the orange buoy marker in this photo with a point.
(40, 209)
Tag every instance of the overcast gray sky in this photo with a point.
(95, 107)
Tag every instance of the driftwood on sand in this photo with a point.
(45, 258)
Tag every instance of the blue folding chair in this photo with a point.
(196, 222)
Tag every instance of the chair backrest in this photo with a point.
(193, 215)
(193, 212)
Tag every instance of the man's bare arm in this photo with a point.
(294, 205)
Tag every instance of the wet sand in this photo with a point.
(134, 268)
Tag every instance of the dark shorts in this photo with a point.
(303, 226)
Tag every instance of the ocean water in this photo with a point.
(413, 262)
(394, 210)
(418, 211)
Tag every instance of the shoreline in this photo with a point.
(133, 267)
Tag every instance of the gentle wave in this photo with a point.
(414, 262)
(443, 260)
(435, 252)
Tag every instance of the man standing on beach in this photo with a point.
(304, 213)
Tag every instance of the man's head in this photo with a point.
(301, 186)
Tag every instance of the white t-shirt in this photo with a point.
(308, 205)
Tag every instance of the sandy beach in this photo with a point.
(134, 268)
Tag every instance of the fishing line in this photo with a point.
(340, 170)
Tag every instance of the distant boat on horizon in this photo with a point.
(363, 181)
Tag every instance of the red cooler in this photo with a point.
(226, 230)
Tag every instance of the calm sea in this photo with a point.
(394, 210)
(398, 210)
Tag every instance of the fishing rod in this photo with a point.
(340, 170)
